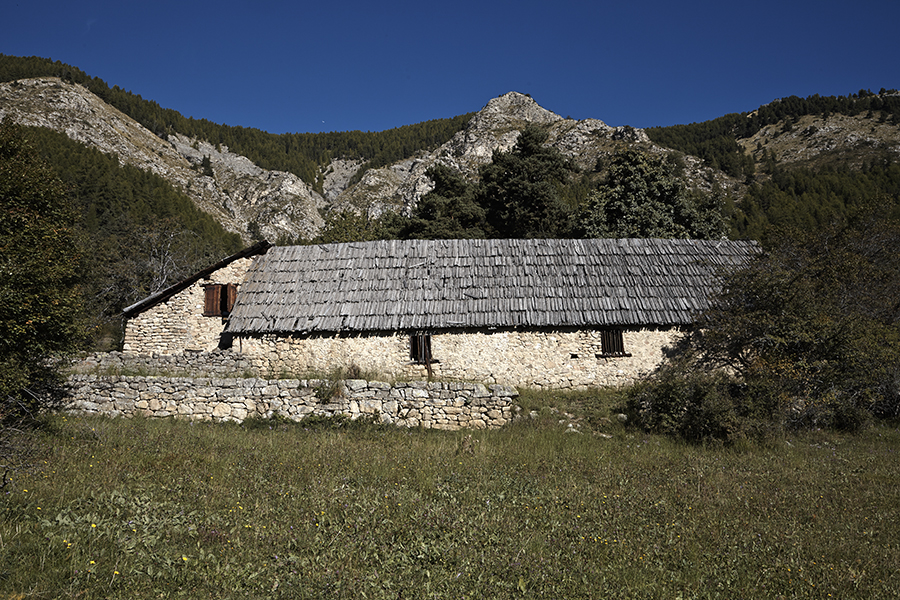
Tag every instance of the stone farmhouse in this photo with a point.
(532, 313)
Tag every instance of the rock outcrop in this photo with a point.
(237, 195)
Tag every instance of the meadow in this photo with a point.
(139, 508)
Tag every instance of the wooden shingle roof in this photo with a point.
(445, 284)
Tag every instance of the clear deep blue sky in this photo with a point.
(336, 66)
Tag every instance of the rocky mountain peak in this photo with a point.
(496, 127)
(513, 108)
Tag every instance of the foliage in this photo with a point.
(643, 197)
(683, 401)
(351, 226)
(533, 191)
(810, 329)
(140, 234)
(526, 192)
(521, 190)
(303, 154)
(805, 199)
(134, 508)
(449, 211)
(40, 256)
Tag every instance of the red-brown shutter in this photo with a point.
(212, 305)
(231, 294)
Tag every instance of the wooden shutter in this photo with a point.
(212, 305)
(612, 342)
(230, 295)
(219, 299)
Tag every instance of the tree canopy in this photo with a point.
(40, 258)
(643, 197)
(806, 335)
(522, 190)
(450, 210)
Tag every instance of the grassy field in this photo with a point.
(160, 509)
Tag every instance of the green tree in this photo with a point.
(523, 190)
(643, 197)
(808, 334)
(818, 312)
(206, 166)
(40, 301)
(352, 226)
(449, 211)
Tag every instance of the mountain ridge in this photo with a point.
(252, 201)
(239, 192)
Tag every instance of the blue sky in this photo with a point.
(340, 66)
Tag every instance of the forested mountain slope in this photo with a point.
(241, 196)
(802, 161)
(306, 155)
(751, 164)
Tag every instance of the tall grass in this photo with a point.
(160, 508)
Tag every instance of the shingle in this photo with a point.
(387, 285)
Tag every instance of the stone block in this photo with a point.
(221, 410)
(356, 385)
(504, 390)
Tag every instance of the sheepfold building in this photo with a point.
(534, 313)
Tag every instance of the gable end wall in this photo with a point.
(178, 325)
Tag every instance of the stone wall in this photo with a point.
(543, 359)
(178, 324)
(437, 405)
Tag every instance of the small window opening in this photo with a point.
(420, 348)
(219, 299)
(573, 355)
(612, 343)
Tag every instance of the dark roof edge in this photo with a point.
(163, 295)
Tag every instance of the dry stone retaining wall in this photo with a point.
(437, 405)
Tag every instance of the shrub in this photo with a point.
(689, 403)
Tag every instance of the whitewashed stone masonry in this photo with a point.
(541, 359)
